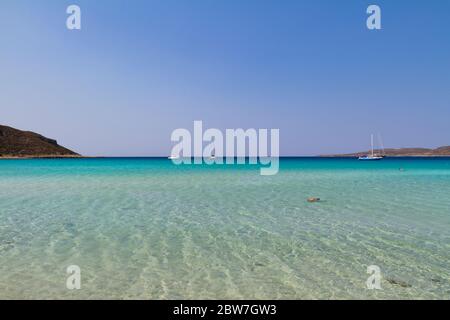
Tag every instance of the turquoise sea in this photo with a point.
(142, 228)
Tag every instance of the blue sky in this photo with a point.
(140, 69)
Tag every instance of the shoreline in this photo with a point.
(43, 157)
(159, 157)
(395, 156)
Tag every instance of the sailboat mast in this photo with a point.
(371, 140)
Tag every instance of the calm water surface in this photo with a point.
(147, 229)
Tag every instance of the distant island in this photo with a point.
(16, 143)
(402, 152)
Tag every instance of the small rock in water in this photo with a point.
(313, 199)
(398, 283)
(6, 245)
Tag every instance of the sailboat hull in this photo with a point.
(369, 158)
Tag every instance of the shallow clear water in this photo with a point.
(147, 229)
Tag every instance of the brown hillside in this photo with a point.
(17, 143)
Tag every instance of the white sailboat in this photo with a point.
(372, 156)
